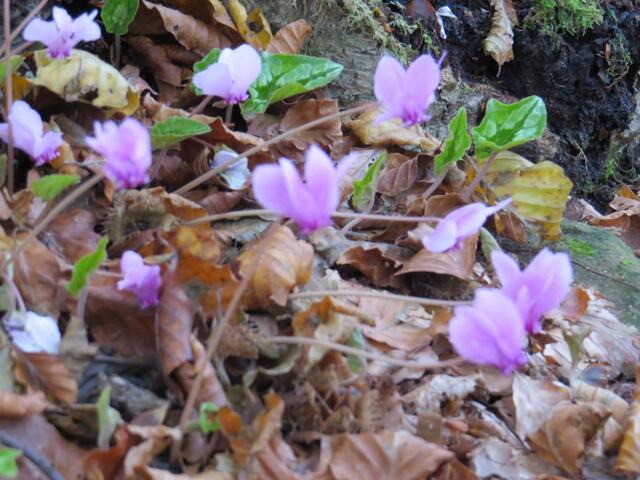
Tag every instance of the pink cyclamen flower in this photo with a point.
(539, 288)
(63, 33)
(490, 332)
(460, 224)
(142, 280)
(310, 203)
(126, 149)
(406, 94)
(232, 75)
(27, 131)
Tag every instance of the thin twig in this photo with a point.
(8, 92)
(33, 455)
(382, 295)
(278, 138)
(605, 275)
(201, 106)
(363, 353)
(436, 183)
(23, 24)
(478, 178)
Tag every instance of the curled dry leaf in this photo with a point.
(379, 262)
(156, 58)
(253, 27)
(72, 234)
(13, 405)
(400, 173)
(628, 460)
(285, 262)
(209, 11)
(289, 39)
(590, 393)
(499, 42)
(565, 435)
(458, 263)
(384, 455)
(625, 219)
(43, 371)
(84, 77)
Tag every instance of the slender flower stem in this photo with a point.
(201, 106)
(21, 26)
(478, 178)
(55, 211)
(347, 215)
(278, 138)
(8, 91)
(436, 183)
(314, 342)
(228, 115)
(382, 295)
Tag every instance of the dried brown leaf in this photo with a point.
(285, 262)
(400, 174)
(458, 263)
(385, 455)
(499, 42)
(379, 262)
(289, 39)
(13, 405)
(628, 459)
(72, 234)
(43, 371)
(157, 59)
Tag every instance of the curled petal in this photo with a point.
(322, 180)
(40, 31)
(270, 189)
(388, 79)
(443, 238)
(215, 80)
(245, 65)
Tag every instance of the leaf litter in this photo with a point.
(320, 356)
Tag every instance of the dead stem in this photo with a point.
(201, 106)
(8, 92)
(278, 138)
(434, 302)
(314, 342)
(21, 26)
(478, 178)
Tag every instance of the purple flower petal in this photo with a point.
(245, 65)
(40, 31)
(142, 280)
(215, 80)
(443, 238)
(270, 189)
(322, 180)
(388, 80)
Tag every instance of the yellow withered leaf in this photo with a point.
(259, 35)
(628, 460)
(84, 77)
(499, 42)
(539, 191)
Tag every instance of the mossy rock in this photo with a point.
(603, 261)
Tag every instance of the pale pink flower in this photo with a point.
(406, 94)
(232, 75)
(490, 332)
(126, 149)
(460, 224)
(27, 131)
(310, 202)
(33, 333)
(63, 33)
(539, 288)
(142, 280)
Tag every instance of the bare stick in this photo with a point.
(314, 342)
(32, 455)
(23, 24)
(8, 91)
(201, 106)
(478, 178)
(382, 295)
(278, 138)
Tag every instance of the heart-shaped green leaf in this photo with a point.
(8, 465)
(176, 129)
(458, 141)
(49, 187)
(118, 14)
(505, 126)
(86, 266)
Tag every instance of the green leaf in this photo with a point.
(118, 14)
(282, 76)
(505, 126)
(108, 418)
(8, 466)
(208, 418)
(16, 61)
(86, 266)
(176, 129)
(458, 141)
(356, 341)
(49, 187)
(365, 188)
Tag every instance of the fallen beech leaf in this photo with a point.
(155, 57)
(391, 132)
(254, 27)
(563, 438)
(499, 42)
(72, 234)
(400, 173)
(47, 372)
(379, 262)
(628, 459)
(539, 192)
(190, 33)
(289, 39)
(174, 317)
(13, 405)
(285, 262)
(104, 464)
(157, 474)
(209, 11)
(496, 458)
(458, 263)
(590, 393)
(84, 77)
(626, 218)
(385, 455)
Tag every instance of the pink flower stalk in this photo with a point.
(126, 149)
(539, 288)
(63, 33)
(310, 202)
(460, 224)
(406, 94)
(491, 332)
(142, 280)
(232, 75)
(27, 131)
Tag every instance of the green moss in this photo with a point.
(578, 248)
(405, 27)
(558, 17)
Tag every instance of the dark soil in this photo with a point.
(587, 106)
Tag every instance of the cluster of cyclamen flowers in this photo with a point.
(493, 331)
